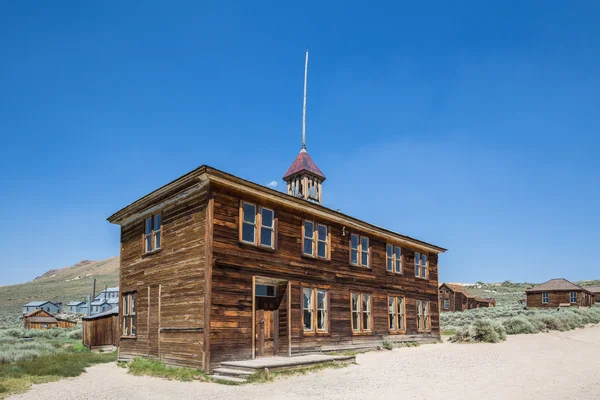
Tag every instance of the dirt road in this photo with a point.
(556, 365)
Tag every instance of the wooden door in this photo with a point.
(265, 333)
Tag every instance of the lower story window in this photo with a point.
(129, 320)
(446, 304)
(396, 314)
(314, 306)
(573, 297)
(545, 297)
(423, 317)
(361, 312)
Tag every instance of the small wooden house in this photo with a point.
(595, 290)
(558, 293)
(101, 329)
(40, 319)
(455, 297)
(45, 305)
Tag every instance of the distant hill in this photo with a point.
(64, 284)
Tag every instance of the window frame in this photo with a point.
(446, 304)
(129, 312)
(359, 251)
(419, 272)
(571, 295)
(361, 330)
(258, 226)
(397, 329)
(153, 234)
(316, 240)
(545, 298)
(394, 259)
(421, 325)
(315, 310)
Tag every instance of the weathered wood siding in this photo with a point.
(555, 298)
(170, 285)
(101, 331)
(235, 264)
(447, 294)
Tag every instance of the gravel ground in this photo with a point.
(556, 365)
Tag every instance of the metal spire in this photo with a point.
(304, 106)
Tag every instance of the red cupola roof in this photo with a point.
(303, 163)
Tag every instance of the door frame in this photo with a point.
(263, 280)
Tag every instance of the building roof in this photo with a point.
(457, 289)
(558, 284)
(43, 319)
(112, 311)
(202, 176)
(37, 303)
(99, 302)
(75, 303)
(112, 300)
(303, 163)
(593, 289)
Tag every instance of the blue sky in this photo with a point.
(467, 124)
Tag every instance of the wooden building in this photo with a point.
(42, 319)
(77, 307)
(558, 293)
(595, 290)
(101, 329)
(217, 268)
(455, 297)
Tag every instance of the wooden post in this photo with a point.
(289, 317)
(253, 317)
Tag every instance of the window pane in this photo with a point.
(266, 237)
(248, 233)
(133, 303)
(322, 233)
(417, 270)
(307, 320)
(148, 225)
(157, 239)
(308, 298)
(354, 257)
(321, 299)
(264, 290)
(423, 260)
(157, 222)
(398, 254)
(149, 242)
(354, 241)
(400, 302)
(367, 321)
(389, 250)
(366, 302)
(267, 218)
(355, 297)
(322, 249)
(321, 321)
(133, 325)
(308, 246)
(308, 229)
(365, 258)
(249, 212)
(392, 313)
(423, 272)
(365, 243)
(355, 320)
(389, 264)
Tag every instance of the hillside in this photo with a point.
(65, 284)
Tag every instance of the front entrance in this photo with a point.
(270, 312)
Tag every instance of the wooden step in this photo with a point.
(232, 372)
(227, 378)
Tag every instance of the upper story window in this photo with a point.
(394, 259)
(361, 312)
(129, 319)
(359, 250)
(314, 306)
(423, 317)
(315, 240)
(573, 297)
(257, 225)
(545, 298)
(420, 265)
(153, 233)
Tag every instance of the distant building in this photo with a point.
(42, 319)
(99, 306)
(77, 307)
(595, 291)
(101, 329)
(45, 305)
(558, 293)
(108, 293)
(455, 297)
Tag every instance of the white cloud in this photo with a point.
(272, 184)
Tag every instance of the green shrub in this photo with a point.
(462, 335)
(485, 330)
(518, 325)
(388, 345)
(143, 366)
